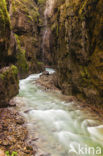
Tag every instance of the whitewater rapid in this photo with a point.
(61, 127)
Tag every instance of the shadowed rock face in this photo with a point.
(19, 33)
(19, 45)
(8, 75)
(4, 32)
(8, 84)
(73, 40)
(24, 17)
(77, 46)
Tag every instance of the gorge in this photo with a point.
(66, 35)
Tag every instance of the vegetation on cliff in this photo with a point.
(77, 48)
(4, 31)
(19, 44)
(76, 42)
(8, 84)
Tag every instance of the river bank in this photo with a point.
(13, 133)
(48, 83)
(55, 121)
(40, 103)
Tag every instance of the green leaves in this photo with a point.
(13, 153)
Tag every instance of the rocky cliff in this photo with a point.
(77, 47)
(19, 44)
(24, 41)
(8, 75)
(66, 33)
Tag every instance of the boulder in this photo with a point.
(8, 84)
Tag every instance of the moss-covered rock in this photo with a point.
(24, 17)
(77, 44)
(4, 31)
(8, 84)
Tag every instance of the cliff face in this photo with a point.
(77, 41)
(71, 37)
(8, 84)
(19, 44)
(4, 32)
(24, 46)
(8, 75)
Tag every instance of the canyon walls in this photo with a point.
(19, 45)
(77, 46)
(8, 75)
(64, 33)
(24, 17)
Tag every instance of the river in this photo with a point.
(61, 128)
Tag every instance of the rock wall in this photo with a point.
(19, 44)
(24, 43)
(8, 84)
(8, 75)
(77, 45)
(4, 32)
(76, 42)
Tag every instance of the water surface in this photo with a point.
(61, 128)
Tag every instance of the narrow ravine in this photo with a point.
(58, 126)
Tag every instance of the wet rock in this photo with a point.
(47, 82)
(12, 103)
(27, 111)
(45, 73)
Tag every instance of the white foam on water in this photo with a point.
(67, 137)
(55, 119)
(51, 71)
(50, 115)
(96, 132)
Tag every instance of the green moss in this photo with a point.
(21, 58)
(83, 6)
(1, 76)
(9, 71)
(36, 16)
(84, 72)
(14, 69)
(41, 1)
(27, 7)
(4, 18)
(30, 17)
(40, 63)
(13, 6)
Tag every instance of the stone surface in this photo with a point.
(24, 17)
(47, 81)
(9, 84)
(77, 48)
(19, 36)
